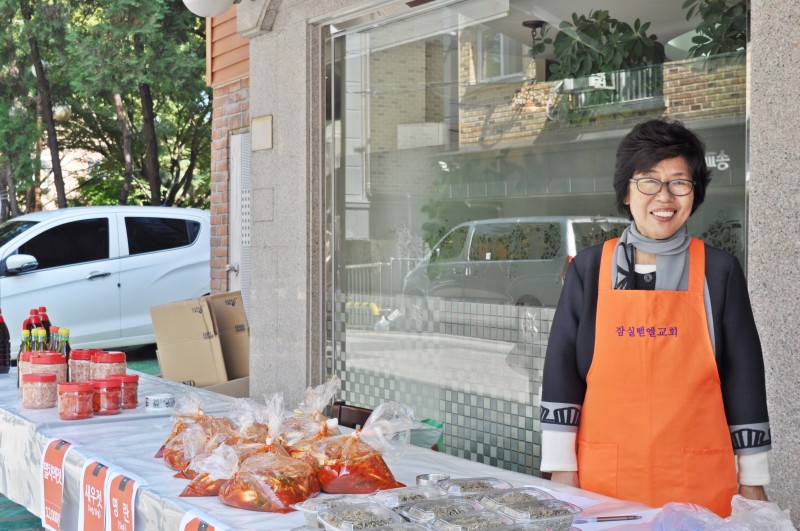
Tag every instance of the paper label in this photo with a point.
(195, 521)
(121, 496)
(53, 482)
(92, 513)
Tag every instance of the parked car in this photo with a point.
(518, 261)
(98, 270)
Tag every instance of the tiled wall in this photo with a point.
(477, 368)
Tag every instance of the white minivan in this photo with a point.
(99, 270)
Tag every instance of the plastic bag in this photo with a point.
(252, 420)
(309, 423)
(353, 464)
(187, 411)
(270, 483)
(747, 515)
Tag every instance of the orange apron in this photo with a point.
(653, 426)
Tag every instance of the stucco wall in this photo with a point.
(774, 236)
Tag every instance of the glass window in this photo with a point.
(442, 117)
(12, 228)
(148, 234)
(70, 243)
(451, 245)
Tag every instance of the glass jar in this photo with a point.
(80, 365)
(105, 363)
(130, 389)
(75, 400)
(49, 362)
(107, 398)
(23, 366)
(39, 390)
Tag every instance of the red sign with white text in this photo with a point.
(53, 482)
(196, 524)
(121, 499)
(92, 510)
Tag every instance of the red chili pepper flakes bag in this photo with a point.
(270, 483)
(308, 422)
(188, 411)
(353, 464)
(347, 465)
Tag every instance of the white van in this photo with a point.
(517, 261)
(98, 270)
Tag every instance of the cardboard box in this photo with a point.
(204, 342)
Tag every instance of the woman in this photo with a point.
(654, 371)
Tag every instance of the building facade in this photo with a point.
(354, 136)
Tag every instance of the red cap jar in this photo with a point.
(50, 362)
(80, 364)
(129, 390)
(23, 365)
(39, 391)
(105, 363)
(107, 398)
(75, 400)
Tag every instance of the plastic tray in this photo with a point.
(358, 515)
(553, 515)
(429, 510)
(497, 498)
(395, 497)
(471, 521)
(470, 486)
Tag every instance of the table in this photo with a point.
(130, 440)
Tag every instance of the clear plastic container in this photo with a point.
(498, 498)
(312, 506)
(473, 486)
(80, 365)
(106, 363)
(392, 498)
(130, 389)
(23, 366)
(39, 391)
(75, 400)
(49, 362)
(427, 511)
(358, 515)
(471, 521)
(552, 515)
(107, 398)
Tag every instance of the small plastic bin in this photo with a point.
(312, 506)
(358, 515)
(494, 499)
(393, 498)
(551, 515)
(427, 511)
(472, 521)
(473, 487)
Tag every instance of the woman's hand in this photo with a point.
(570, 478)
(750, 492)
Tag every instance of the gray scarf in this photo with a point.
(672, 264)
(672, 259)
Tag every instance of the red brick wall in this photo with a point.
(231, 115)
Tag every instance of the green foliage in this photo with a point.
(601, 43)
(94, 50)
(722, 28)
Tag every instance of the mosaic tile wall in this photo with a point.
(477, 368)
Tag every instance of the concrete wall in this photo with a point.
(286, 351)
(774, 236)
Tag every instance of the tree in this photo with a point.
(132, 72)
(722, 28)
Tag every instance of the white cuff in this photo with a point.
(558, 451)
(753, 468)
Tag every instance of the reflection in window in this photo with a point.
(147, 235)
(499, 55)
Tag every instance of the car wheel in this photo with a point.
(415, 312)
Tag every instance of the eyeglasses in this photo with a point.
(678, 187)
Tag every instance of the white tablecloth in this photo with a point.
(129, 441)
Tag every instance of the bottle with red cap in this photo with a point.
(45, 321)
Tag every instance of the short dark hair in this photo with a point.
(649, 143)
